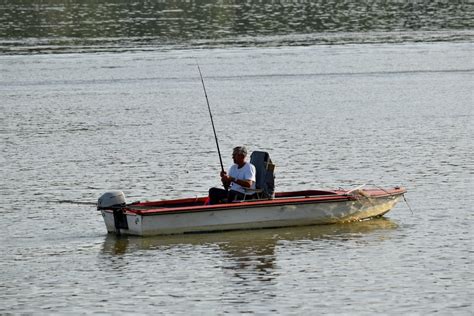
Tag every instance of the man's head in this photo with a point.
(238, 154)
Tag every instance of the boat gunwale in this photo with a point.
(335, 196)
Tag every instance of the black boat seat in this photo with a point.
(265, 177)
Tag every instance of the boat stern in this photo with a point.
(116, 217)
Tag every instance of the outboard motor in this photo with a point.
(111, 200)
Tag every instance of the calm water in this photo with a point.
(373, 107)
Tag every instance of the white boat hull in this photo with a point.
(245, 217)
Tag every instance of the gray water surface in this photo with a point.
(51, 26)
(96, 96)
(73, 126)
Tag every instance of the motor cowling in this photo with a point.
(111, 200)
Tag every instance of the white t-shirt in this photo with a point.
(247, 172)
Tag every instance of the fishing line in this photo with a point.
(73, 202)
(409, 207)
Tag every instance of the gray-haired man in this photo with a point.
(241, 175)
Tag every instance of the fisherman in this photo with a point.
(242, 174)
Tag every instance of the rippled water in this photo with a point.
(76, 125)
(120, 106)
(69, 26)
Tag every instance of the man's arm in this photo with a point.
(242, 182)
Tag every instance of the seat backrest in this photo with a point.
(265, 177)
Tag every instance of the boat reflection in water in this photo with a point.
(254, 249)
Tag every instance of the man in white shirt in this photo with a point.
(241, 175)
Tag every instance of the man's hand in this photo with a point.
(225, 179)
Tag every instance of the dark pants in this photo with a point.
(217, 195)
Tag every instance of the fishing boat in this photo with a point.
(298, 208)
(266, 209)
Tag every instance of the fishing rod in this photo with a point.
(210, 115)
